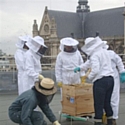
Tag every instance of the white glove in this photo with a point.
(41, 77)
(56, 123)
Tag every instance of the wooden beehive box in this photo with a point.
(77, 100)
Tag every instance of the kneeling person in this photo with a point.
(22, 109)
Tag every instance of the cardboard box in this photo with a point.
(77, 100)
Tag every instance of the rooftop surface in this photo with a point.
(6, 99)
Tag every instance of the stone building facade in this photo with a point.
(81, 24)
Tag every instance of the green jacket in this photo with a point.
(26, 103)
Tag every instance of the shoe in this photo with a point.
(98, 123)
(111, 122)
(86, 116)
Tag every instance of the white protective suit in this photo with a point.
(66, 62)
(19, 60)
(118, 67)
(32, 62)
(100, 61)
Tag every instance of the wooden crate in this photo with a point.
(77, 99)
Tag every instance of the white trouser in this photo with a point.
(115, 101)
(61, 93)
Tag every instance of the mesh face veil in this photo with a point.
(41, 51)
(49, 98)
(70, 48)
(44, 99)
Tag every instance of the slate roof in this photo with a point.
(67, 23)
(108, 22)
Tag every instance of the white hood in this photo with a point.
(92, 44)
(68, 42)
(22, 41)
(35, 43)
(105, 45)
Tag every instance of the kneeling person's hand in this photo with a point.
(56, 123)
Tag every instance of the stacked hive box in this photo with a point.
(77, 100)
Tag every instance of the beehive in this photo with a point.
(77, 100)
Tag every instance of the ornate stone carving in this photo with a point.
(46, 28)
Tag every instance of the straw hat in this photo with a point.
(46, 86)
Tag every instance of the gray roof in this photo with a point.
(107, 22)
(67, 23)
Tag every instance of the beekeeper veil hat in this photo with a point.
(105, 45)
(68, 41)
(22, 40)
(36, 43)
(92, 44)
(47, 88)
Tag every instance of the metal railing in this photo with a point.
(8, 76)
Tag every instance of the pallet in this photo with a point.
(84, 118)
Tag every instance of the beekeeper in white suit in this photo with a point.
(102, 77)
(118, 67)
(33, 68)
(19, 60)
(66, 61)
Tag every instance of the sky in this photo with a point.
(16, 16)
